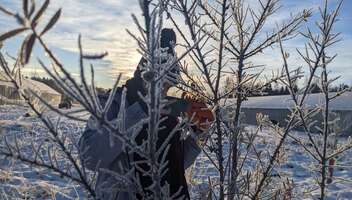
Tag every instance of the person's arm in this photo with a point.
(95, 145)
(96, 149)
(191, 150)
(201, 117)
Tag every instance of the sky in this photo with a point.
(103, 24)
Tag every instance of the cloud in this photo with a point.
(102, 25)
(342, 65)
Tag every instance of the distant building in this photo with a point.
(278, 109)
(10, 95)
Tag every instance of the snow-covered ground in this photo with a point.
(297, 166)
(43, 184)
(22, 180)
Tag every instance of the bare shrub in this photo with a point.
(221, 40)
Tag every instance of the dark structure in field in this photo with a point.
(278, 109)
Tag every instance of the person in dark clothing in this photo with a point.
(175, 174)
(96, 151)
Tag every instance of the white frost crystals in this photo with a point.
(218, 39)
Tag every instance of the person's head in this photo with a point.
(167, 40)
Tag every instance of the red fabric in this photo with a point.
(199, 111)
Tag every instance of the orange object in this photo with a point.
(198, 111)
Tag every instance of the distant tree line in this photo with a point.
(274, 90)
(315, 88)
